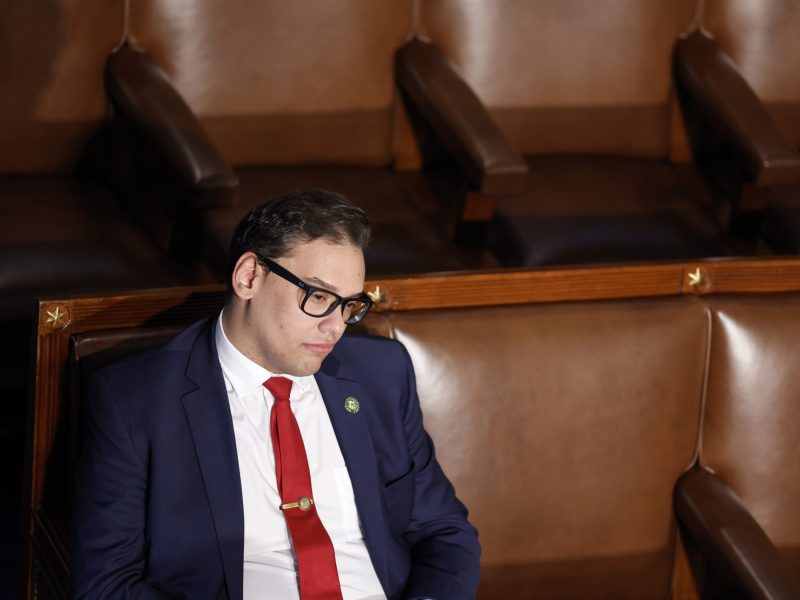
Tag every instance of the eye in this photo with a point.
(319, 298)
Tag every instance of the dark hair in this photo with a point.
(274, 227)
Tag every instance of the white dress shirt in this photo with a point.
(269, 561)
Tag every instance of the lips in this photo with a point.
(319, 347)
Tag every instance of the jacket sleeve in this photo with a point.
(445, 552)
(108, 539)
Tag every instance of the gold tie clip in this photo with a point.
(303, 503)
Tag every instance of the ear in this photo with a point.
(246, 278)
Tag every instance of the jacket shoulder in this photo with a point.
(369, 359)
(156, 364)
(369, 347)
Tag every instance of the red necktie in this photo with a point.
(316, 563)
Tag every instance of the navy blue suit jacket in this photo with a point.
(158, 511)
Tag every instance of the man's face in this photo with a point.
(281, 337)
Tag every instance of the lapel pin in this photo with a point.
(351, 405)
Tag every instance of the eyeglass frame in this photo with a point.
(310, 289)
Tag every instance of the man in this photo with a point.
(262, 455)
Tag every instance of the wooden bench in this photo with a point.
(564, 404)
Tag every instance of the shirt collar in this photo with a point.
(245, 375)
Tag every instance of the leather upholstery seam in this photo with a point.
(697, 459)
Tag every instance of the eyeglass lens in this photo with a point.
(318, 303)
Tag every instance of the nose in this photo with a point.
(333, 323)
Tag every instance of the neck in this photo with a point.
(235, 328)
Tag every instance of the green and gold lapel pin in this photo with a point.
(351, 405)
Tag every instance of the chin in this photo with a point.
(307, 368)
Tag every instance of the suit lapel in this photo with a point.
(355, 440)
(209, 418)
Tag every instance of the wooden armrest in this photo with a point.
(713, 84)
(452, 110)
(141, 91)
(731, 537)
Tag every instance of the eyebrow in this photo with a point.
(322, 283)
(317, 282)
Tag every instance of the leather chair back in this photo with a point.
(87, 352)
(567, 76)
(762, 39)
(277, 82)
(51, 77)
(752, 416)
(510, 398)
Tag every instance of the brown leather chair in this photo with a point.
(750, 444)
(61, 233)
(290, 95)
(742, 87)
(584, 94)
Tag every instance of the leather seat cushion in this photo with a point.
(63, 236)
(600, 209)
(628, 575)
(403, 240)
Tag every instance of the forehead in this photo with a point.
(339, 267)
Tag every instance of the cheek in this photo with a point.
(287, 336)
(293, 327)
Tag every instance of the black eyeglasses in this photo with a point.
(319, 302)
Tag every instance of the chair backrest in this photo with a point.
(567, 76)
(51, 77)
(762, 39)
(564, 428)
(751, 433)
(69, 351)
(278, 82)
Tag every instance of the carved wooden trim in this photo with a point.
(747, 276)
(523, 286)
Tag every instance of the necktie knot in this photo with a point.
(279, 387)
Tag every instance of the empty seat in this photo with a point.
(62, 235)
(292, 96)
(584, 94)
